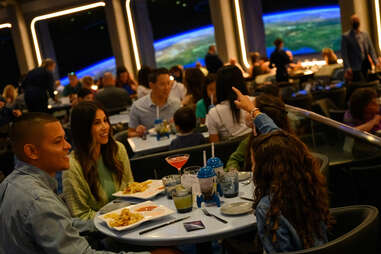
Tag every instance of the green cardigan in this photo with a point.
(76, 190)
(237, 159)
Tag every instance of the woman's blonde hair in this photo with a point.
(10, 93)
(329, 55)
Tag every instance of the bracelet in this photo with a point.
(253, 111)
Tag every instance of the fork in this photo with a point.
(209, 214)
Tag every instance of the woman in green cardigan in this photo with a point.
(274, 107)
(99, 165)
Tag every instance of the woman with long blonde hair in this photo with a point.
(10, 94)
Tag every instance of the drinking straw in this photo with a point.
(211, 99)
(204, 155)
(157, 112)
(212, 149)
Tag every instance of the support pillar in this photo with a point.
(254, 28)
(120, 41)
(21, 39)
(227, 42)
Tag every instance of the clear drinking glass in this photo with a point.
(170, 182)
(229, 184)
(182, 197)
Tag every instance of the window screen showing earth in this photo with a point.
(185, 49)
(304, 31)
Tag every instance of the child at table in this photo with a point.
(290, 197)
(185, 122)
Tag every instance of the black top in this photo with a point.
(113, 99)
(213, 62)
(280, 59)
(6, 116)
(192, 139)
(39, 79)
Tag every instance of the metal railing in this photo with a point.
(337, 125)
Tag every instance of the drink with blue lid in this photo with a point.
(208, 180)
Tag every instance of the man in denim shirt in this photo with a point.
(33, 218)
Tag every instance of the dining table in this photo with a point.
(176, 234)
(122, 118)
(150, 144)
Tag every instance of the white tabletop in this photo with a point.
(119, 118)
(176, 234)
(140, 146)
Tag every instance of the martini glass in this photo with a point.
(177, 161)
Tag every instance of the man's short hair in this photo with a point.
(278, 42)
(27, 129)
(185, 119)
(152, 78)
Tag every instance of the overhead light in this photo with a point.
(240, 33)
(378, 21)
(54, 15)
(5, 25)
(132, 34)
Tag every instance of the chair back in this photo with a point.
(351, 87)
(355, 231)
(122, 138)
(338, 96)
(300, 101)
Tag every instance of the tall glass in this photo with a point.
(177, 161)
(229, 184)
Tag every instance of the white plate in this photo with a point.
(159, 212)
(242, 176)
(237, 208)
(153, 189)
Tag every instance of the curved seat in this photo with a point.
(355, 231)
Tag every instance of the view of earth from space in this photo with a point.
(185, 49)
(304, 31)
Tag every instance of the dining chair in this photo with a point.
(355, 231)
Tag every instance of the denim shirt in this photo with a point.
(35, 220)
(265, 124)
(287, 238)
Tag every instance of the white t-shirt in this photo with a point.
(220, 121)
(178, 91)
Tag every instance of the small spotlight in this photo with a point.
(55, 92)
(171, 78)
(94, 87)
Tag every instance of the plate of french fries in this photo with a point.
(131, 216)
(144, 190)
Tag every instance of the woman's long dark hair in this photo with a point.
(275, 108)
(82, 119)
(208, 80)
(287, 172)
(229, 76)
(194, 82)
(119, 71)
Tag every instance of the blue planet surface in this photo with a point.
(304, 31)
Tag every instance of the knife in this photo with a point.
(248, 199)
(163, 225)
